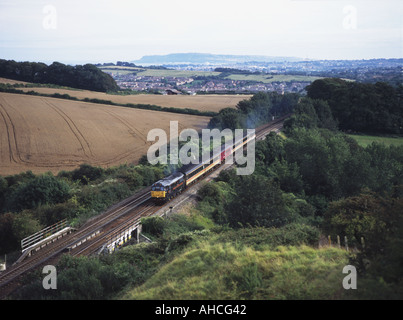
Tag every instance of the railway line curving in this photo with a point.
(92, 235)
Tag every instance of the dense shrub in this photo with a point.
(42, 190)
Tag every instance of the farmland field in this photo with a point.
(158, 72)
(10, 81)
(199, 102)
(364, 140)
(47, 134)
(267, 78)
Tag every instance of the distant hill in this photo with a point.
(204, 58)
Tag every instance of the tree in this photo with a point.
(361, 107)
(259, 202)
(8, 241)
(82, 77)
(3, 189)
(379, 221)
(44, 189)
(356, 217)
(309, 114)
(86, 173)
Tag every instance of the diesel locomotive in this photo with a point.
(169, 187)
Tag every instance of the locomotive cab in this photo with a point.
(158, 191)
(168, 187)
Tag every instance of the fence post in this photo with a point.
(338, 241)
(346, 242)
(330, 240)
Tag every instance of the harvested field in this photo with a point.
(4, 80)
(199, 102)
(47, 134)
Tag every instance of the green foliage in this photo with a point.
(82, 278)
(153, 225)
(3, 186)
(50, 214)
(8, 239)
(365, 140)
(270, 149)
(3, 190)
(25, 224)
(85, 174)
(98, 199)
(310, 114)
(367, 216)
(379, 222)
(222, 272)
(42, 190)
(248, 279)
(261, 238)
(254, 112)
(361, 107)
(87, 77)
(76, 196)
(150, 174)
(259, 202)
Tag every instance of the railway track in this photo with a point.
(97, 231)
(89, 231)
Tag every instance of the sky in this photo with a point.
(122, 30)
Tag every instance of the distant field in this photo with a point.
(366, 140)
(4, 80)
(158, 72)
(212, 103)
(199, 102)
(47, 134)
(266, 78)
(177, 73)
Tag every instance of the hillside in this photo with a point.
(202, 58)
(222, 271)
(47, 134)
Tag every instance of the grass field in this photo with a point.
(176, 73)
(159, 72)
(47, 134)
(271, 78)
(265, 78)
(364, 140)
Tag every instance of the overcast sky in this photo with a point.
(111, 30)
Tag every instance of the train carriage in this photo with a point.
(169, 187)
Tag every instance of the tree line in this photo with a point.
(259, 109)
(362, 107)
(87, 77)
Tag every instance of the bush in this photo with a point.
(153, 225)
(87, 173)
(42, 190)
(99, 198)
